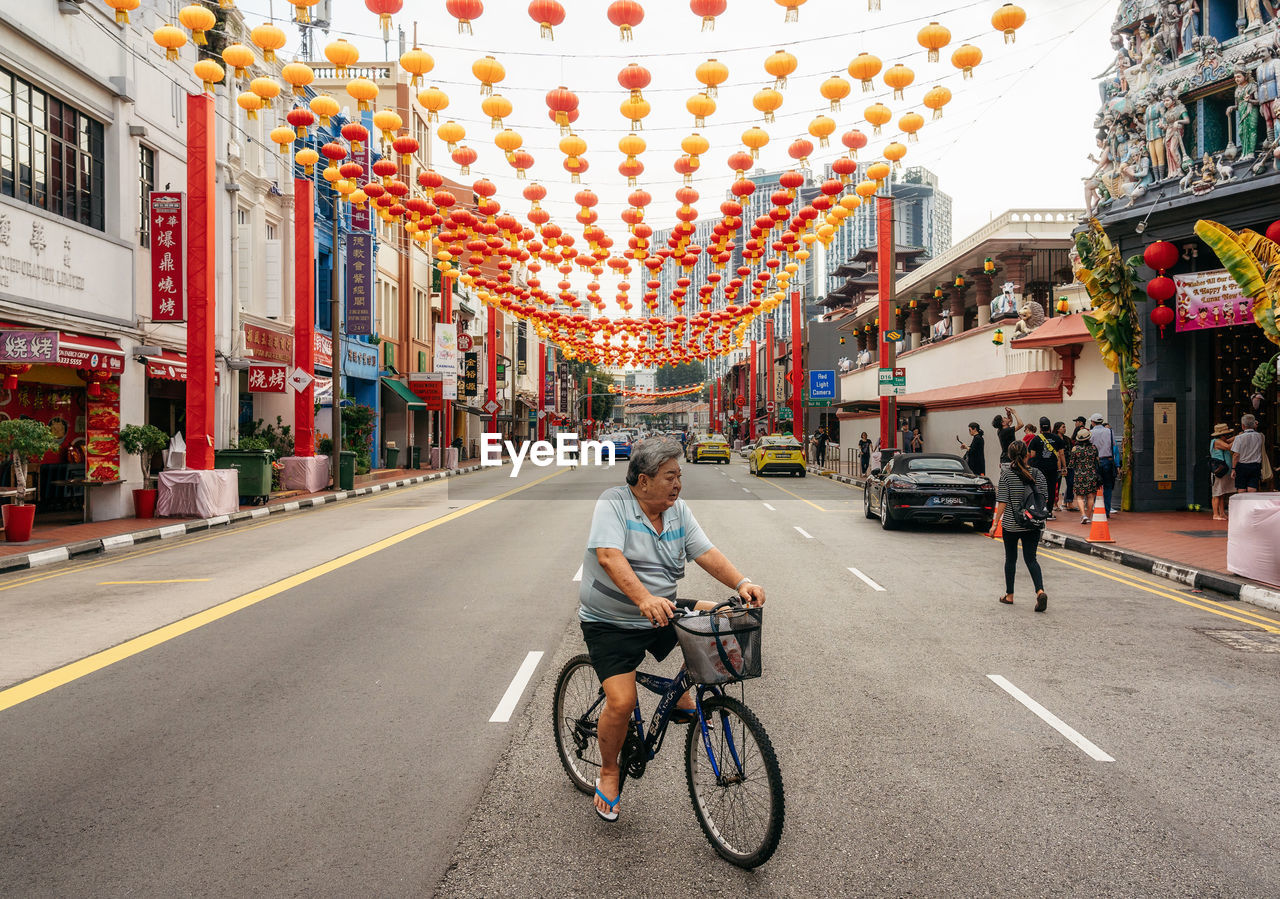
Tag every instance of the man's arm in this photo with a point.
(714, 563)
(1016, 417)
(615, 564)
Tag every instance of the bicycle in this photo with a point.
(730, 764)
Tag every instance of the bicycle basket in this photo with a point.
(722, 647)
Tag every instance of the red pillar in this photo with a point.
(491, 344)
(304, 313)
(751, 400)
(768, 367)
(797, 367)
(201, 292)
(542, 391)
(884, 238)
(446, 308)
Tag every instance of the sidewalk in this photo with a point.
(1150, 542)
(60, 539)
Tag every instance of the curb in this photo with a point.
(44, 557)
(1181, 574)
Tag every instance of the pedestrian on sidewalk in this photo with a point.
(917, 441)
(1083, 462)
(1006, 428)
(820, 442)
(1221, 472)
(1017, 482)
(975, 451)
(1104, 441)
(1043, 455)
(864, 452)
(1246, 450)
(1076, 425)
(1061, 445)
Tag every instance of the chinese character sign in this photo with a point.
(267, 378)
(471, 374)
(168, 275)
(265, 344)
(1211, 300)
(562, 405)
(361, 219)
(360, 281)
(29, 346)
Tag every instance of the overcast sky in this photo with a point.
(1016, 135)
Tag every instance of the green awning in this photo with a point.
(411, 400)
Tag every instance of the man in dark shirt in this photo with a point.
(975, 453)
(1006, 427)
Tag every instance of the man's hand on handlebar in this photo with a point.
(752, 594)
(657, 609)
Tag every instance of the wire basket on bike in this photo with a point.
(722, 647)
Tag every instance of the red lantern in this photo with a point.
(548, 14)
(1162, 317)
(95, 380)
(384, 9)
(406, 146)
(1273, 233)
(464, 11)
(356, 135)
(634, 78)
(708, 10)
(1160, 256)
(301, 118)
(11, 372)
(626, 14)
(1161, 289)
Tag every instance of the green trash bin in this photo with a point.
(347, 470)
(254, 467)
(415, 457)
(393, 456)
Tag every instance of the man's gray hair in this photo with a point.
(1248, 422)
(649, 455)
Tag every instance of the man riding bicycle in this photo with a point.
(641, 537)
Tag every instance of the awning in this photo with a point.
(80, 351)
(1032, 387)
(411, 400)
(171, 366)
(1062, 330)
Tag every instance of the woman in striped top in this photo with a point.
(1017, 479)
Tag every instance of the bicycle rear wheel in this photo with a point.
(576, 709)
(736, 788)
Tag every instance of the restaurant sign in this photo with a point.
(266, 345)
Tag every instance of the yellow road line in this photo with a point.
(796, 495)
(183, 580)
(1204, 605)
(51, 680)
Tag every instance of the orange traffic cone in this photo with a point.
(1100, 530)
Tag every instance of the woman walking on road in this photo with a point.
(1016, 484)
(1083, 461)
(864, 452)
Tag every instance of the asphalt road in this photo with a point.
(321, 726)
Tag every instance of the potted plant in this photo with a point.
(23, 440)
(143, 441)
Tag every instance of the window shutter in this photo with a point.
(422, 361)
(244, 265)
(388, 355)
(274, 260)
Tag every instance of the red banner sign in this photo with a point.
(322, 351)
(429, 386)
(168, 269)
(267, 378)
(268, 345)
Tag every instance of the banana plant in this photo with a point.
(1254, 262)
(1111, 283)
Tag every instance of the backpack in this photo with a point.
(1034, 509)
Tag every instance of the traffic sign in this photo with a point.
(889, 336)
(492, 406)
(740, 401)
(771, 407)
(822, 385)
(893, 381)
(542, 414)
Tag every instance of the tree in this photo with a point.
(602, 403)
(686, 374)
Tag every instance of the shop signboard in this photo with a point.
(470, 374)
(265, 345)
(1210, 300)
(29, 346)
(268, 378)
(322, 351)
(562, 398)
(465, 343)
(549, 391)
(359, 360)
(358, 299)
(1165, 457)
(360, 215)
(429, 386)
(168, 266)
(446, 358)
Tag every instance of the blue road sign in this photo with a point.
(822, 385)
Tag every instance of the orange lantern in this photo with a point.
(197, 19)
(325, 107)
(451, 133)
(755, 139)
(1009, 19)
(700, 106)
(626, 14)
(417, 62)
(548, 14)
(488, 72)
(497, 108)
(269, 39)
(250, 103)
(209, 72)
(302, 10)
(298, 75)
(239, 57)
(937, 98)
(712, 73)
(768, 101)
(508, 142)
(966, 58)
(636, 111)
(780, 64)
(284, 136)
(123, 8)
(343, 54)
(865, 68)
(878, 171)
(910, 123)
(363, 91)
(933, 37)
(899, 78)
(793, 9)
(822, 128)
(877, 114)
(835, 89)
(172, 38)
(434, 101)
(895, 153)
(572, 145)
(266, 88)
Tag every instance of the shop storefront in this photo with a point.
(360, 381)
(167, 391)
(263, 389)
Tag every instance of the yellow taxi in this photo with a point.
(709, 449)
(779, 452)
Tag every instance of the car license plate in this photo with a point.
(946, 501)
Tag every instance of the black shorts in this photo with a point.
(620, 650)
(1248, 474)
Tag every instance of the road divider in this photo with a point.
(1090, 749)
(866, 580)
(502, 714)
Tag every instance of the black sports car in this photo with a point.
(931, 487)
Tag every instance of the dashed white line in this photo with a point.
(578, 576)
(1089, 748)
(746, 489)
(803, 533)
(502, 713)
(866, 580)
(733, 480)
(770, 508)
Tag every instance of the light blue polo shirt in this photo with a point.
(657, 559)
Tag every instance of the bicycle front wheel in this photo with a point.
(735, 783)
(576, 709)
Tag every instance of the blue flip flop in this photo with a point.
(612, 815)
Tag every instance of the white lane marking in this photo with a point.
(733, 480)
(866, 580)
(746, 489)
(770, 508)
(502, 713)
(1051, 719)
(578, 576)
(803, 533)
